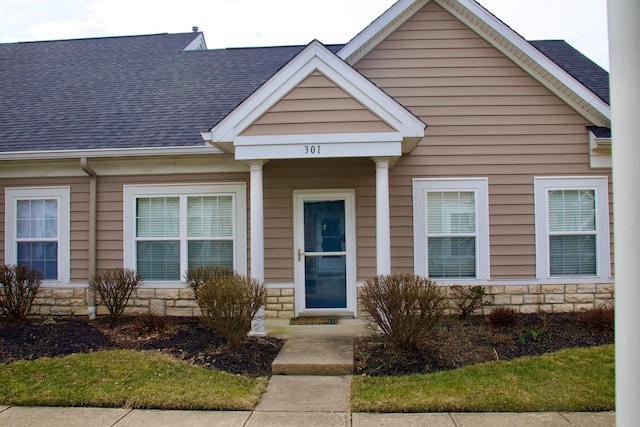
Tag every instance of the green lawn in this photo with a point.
(123, 378)
(569, 380)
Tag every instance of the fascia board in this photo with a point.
(322, 138)
(317, 57)
(379, 29)
(109, 152)
(538, 65)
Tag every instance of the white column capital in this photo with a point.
(256, 165)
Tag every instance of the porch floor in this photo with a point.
(280, 328)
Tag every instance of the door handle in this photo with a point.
(300, 254)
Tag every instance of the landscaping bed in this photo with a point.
(182, 337)
(455, 343)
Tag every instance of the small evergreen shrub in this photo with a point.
(114, 288)
(404, 307)
(467, 299)
(228, 303)
(599, 318)
(195, 277)
(18, 288)
(502, 317)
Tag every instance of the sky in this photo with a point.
(236, 23)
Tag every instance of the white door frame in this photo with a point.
(301, 196)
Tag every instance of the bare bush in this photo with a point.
(115, 287)
(18, 288)
(502, 317)
(229, 303)
(404, 307)
(195, 277)
(599, 318)
(468, 299)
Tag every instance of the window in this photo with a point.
(451, 228)
(37, 230)
(169, 229)
(572, 227)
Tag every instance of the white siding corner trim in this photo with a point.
(480, 188)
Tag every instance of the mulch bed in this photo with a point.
(458, 343)
(184, 338)
(454, 344)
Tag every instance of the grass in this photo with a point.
(124, 378)
(570, 380)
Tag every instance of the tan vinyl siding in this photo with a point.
(79, 218)
(110, 208)
(282, 177)
(487, 118)
(317, 105)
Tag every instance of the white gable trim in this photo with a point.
(499, 35)
(315, 57)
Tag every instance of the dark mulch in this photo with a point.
(184, 338)
(457, 343)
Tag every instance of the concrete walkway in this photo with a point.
(311, 387)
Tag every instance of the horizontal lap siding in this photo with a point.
(486, 118)
(79, 218)
(317, 105)
(283, 177)
(109, 222)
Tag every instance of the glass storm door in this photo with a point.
(324, 238)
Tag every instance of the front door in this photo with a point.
(324, 251)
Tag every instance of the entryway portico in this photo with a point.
(318, 107)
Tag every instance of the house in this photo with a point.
(437, 142)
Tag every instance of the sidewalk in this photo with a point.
(311, 386)
(100, 417)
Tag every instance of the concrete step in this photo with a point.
(315, 356)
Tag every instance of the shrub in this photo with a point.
(599, 318)
(195, 277)
(502, 317)
(404, 307)
(228, 303)
(115, 287)
(18, 288)
(468, 299)
(151, 322)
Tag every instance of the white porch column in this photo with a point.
(257, 237)
(383, 224)
(624, 34)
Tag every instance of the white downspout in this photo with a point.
(93, 190)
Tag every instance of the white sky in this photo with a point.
(232, 23)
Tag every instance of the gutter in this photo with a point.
(93, 190)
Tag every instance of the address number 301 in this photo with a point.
(311, 150)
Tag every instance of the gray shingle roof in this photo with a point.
(123, 92)
(145, 91)
(587, 72)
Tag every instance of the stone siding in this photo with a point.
(281, 302)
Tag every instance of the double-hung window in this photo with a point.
(451, 228)
(37, 230)
(572, 227)
(170, 229)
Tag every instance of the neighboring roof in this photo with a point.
(123, 92)
(551, 74)
(579, 66)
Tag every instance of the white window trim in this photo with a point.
(600, 185)
(237, 190)
(63, 196)
(480, 186)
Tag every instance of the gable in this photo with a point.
(317, 106)
(497, 34)
(256, 130)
